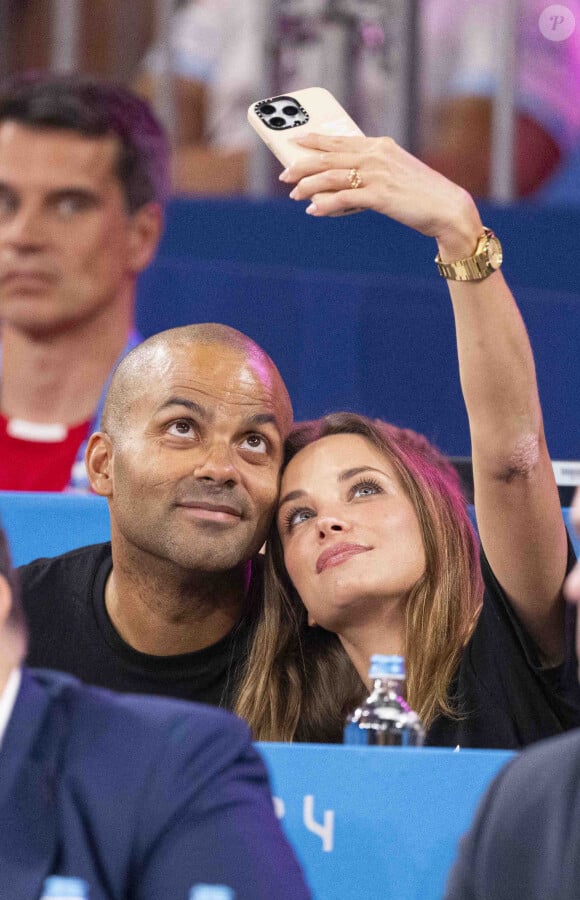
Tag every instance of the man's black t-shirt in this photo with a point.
(506, 698)
(70, 630)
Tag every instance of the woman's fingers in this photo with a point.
(342, 173)
(332, 144)
(335, 202)
(326, 153)
(315, 163)
(332, 180)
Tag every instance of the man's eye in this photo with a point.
(182, 428)
(255, 442)
(68, 206)
(7, 203)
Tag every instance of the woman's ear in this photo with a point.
(312, 623)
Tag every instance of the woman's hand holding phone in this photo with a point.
(390, 181)
(331, 163)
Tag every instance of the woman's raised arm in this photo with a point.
(516, 498)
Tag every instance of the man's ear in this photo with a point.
(99, 463)
(146, 227)
(5, 601)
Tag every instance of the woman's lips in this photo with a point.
(338, 554)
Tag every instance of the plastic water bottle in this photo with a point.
(385, 718)
(59, 887)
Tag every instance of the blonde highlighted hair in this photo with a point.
(299, 683)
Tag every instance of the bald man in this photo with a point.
(188, 458)
(138, 797)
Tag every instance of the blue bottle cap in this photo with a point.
(61, 886)
(211, 892)
(386, 665)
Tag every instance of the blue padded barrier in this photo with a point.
(380, 345)
(540, 244)
(575, 537)
(40, 524)
(377, 823)
(49, 524)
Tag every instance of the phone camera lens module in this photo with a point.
(277, 122)
(267, 109)
(290, 111)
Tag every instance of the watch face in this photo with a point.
(494, 252)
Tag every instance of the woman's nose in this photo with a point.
(328, 524)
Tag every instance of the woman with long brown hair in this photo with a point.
(373, 550)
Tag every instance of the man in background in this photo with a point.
(83, 179)
(137, 797)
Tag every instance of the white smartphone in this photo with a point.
(279, 120)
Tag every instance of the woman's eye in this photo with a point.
(366, 488)
(296, 516)
(255, 442)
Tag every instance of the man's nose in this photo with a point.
(215, 463)
(26, 230)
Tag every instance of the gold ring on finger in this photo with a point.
(354, 178)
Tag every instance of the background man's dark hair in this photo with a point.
(16, 618)
(96, 108)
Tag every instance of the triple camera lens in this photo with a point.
(281, 112)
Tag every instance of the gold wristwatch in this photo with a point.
(487, 258)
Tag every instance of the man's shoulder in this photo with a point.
(544, 774)
(553, 756)
(81, 559)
